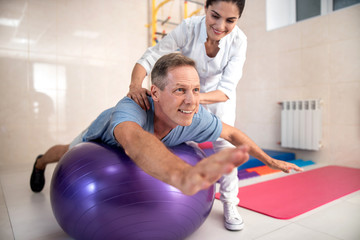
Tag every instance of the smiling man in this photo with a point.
(175, 117)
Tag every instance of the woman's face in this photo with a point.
(221, 18)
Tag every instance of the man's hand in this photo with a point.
(139, 95)
(284, 166)
(210, 169)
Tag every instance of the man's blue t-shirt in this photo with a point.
(204, 127)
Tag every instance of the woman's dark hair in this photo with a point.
(239, 3)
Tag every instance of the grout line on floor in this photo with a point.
(7, 209)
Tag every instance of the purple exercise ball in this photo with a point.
(97, 192)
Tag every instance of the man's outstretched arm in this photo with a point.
(151, 155)
(237, 138)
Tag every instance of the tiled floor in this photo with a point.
(26, 216)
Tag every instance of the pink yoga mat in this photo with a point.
(290, 196)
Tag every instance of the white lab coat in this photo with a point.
(219, 73)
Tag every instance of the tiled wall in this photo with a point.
(64, 61)
(315, 58)
(61, 63)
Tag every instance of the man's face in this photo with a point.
(178, 102)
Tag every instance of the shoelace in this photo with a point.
(232, 212)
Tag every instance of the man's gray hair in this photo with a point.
(165, 64)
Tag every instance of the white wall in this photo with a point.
(64, 61)
(61, 63)
(315, 58)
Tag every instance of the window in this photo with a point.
(307, 9)
(280, 13)
(338, 4)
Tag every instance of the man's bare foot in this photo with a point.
(210, 169)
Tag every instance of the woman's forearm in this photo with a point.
(213, 97)
(136, 91)
(137, 76)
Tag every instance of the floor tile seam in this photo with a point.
(274, 230)
(326, 206)
(7, 209)
(316, 210)
(348, 198)
(322, 232)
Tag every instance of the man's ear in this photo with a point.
(155, 93)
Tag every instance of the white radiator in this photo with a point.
(301, 124)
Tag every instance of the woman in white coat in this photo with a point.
(218, 47)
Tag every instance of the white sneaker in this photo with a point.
(233, 220)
